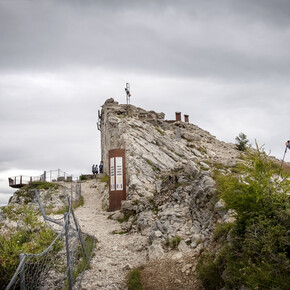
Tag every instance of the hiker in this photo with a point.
(288, 144)
(101, 167)
(94, 169)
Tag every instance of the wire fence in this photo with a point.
(48, 175)
(61, 264)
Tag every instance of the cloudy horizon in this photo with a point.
(224, 63)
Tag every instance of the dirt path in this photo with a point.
(116, 254)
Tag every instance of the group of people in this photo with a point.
(97, 170)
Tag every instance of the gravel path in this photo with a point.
(115, 254)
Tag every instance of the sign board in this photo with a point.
(119, 173)
(112, 173)
(117, 179)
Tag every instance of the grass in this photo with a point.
(134, 279)
(42, 185)
(154, 168)
(154, 206)
(160, 131)
(106, 179)
(174, 242)
(125, 218)
(176, 185)
(119, 233)
(178, 154)
(75, 204)
(82, 262)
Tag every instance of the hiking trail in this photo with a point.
(115, 254)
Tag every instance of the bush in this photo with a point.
(174, 242)
(83, 177)
(256, 253)
(27, 240)
(241, 142)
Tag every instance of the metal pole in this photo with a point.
(78, 229)
(69, 274)
(22, 272)
(283, 160)
(40, 204)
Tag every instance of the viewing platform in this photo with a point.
(49, 176)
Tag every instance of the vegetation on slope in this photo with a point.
(253, 251)
(32, 238)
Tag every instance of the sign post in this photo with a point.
(117, 187)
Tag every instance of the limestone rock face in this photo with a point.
(169, 168)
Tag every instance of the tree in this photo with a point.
(241, 142)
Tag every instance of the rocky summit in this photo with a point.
(169, 169)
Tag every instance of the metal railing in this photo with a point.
(48, 175)
(60, 264)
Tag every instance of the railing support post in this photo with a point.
(78, 228)
(22, 273)
(68, 258)
(40, 204)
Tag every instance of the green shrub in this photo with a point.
(208, 272)
(134, 280)
(257, 252)
(174, 242)
(83, 177)
(27, 240)
(242, 142)
(222, 230)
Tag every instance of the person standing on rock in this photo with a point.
(101, 167)
(288, 144)
(94, 169)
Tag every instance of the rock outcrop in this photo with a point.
(169, 167)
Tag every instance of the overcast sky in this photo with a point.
(225, 63)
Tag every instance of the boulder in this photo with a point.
(183, 247)
(191, 169)
(155, 250)
(220, 208)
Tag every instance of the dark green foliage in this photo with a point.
(222, 230)
(241, 142)
(254, 251)
(134, 280)
(83, 178)
(208, 271)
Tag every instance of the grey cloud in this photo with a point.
(191, 38)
